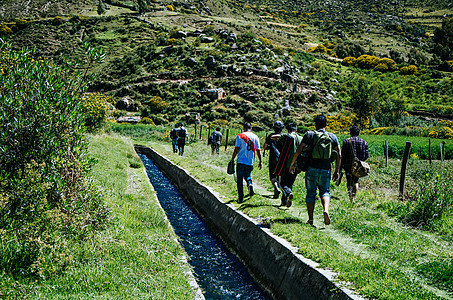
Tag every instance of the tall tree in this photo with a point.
(363, 100)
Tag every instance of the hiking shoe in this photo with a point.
(251, 191)
(289, 200)
(276, 194)
(326, 218)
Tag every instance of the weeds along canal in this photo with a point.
(219, 273)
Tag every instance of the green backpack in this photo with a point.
(322, 145)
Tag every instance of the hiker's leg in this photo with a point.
(240, 171)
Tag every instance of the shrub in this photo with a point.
(408, 70)
(348, 61)
(156, 104)
(45, 197)
(147, 120)
(430, 202)
(58, 20)
(94, 107)
(5, 30)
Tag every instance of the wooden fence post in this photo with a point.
(443, 151)
(195, 130)
(429, 153)
(209, 133)
(386, 153)
(201, 129)
(407, 152)
(226, 138)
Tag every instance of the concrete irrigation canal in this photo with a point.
(219, 273)
(273, 263)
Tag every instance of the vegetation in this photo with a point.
(45, 198)
(385, 66)
(372, 243)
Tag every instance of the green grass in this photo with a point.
(137, 256)
(381, 257)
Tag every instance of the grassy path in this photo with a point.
(381, 258)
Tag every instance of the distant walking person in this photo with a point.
(274, 146)
(174, 138)
(246, 146)
(216, 139)
(290, 142)
(317, 176)
(183, 135)
(351, 145)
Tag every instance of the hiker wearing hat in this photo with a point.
(273, 144)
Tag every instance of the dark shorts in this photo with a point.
(271, 170)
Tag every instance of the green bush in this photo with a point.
(45, 197)
(430, 202)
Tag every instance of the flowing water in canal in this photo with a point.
(218, 272)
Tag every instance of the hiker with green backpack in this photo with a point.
(322, 146)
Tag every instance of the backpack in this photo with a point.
(322, 146)
(182, 133)
(215, 137)
(174, 133)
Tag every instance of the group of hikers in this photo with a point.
(290, 154)
(179, 135)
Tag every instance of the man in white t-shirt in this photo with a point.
(247, 145)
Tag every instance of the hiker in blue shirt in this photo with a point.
(317, 176)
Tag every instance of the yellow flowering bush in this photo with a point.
(95, 108)
(170, 8)
(340, 123)
(5, 30)
(409, 70)
(156, 104)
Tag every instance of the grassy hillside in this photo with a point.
(271, 58)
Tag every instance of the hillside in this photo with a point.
(272, 58)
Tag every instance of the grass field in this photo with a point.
(136, 257)
(366, 244)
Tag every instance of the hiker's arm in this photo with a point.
(337, 163)
(235, 152)
(260, 163)
(292, 168)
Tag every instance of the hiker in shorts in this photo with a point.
(318, 174)
(216, 139)
(246, 146)
(174, 138)
(183, 135)
(274, 146)
(290, 143)
(351, 145)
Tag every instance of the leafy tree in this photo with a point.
(443, 40)
(363, 100)
(142, 5)
(101, 8)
